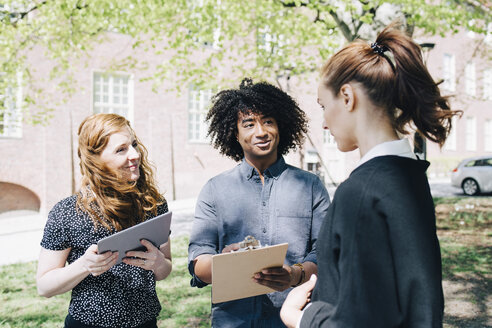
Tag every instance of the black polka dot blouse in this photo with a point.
(124, 296)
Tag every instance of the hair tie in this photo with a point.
(379, 49)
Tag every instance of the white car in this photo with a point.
(473, 175)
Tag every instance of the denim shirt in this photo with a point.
(288, 208)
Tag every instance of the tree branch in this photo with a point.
(20, 15)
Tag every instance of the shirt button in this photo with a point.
(264, 230)
(264, 203)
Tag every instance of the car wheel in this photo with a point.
(470, 187)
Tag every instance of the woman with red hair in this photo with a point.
(118, 191)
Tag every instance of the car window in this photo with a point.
(470, 163)
(479, 162)
(487, 162)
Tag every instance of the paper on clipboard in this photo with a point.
(232, 272)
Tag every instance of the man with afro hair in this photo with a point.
(262, 196)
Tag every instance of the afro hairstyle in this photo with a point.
(254, 98)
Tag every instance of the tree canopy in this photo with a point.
(266, 39)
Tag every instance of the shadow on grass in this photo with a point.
(468, 270)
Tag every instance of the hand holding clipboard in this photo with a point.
(232, 272)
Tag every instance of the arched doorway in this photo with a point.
(16, 197)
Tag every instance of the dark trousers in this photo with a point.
(70, 322)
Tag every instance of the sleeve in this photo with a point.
(321, 202)
(204, 234)
(56, 236)
(319, 314)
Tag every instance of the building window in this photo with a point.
(328, 138)
(451, 140)
(471, 134)
(488, 135)
(11, 111)
(198, 105)
(487, 84)
(470, 78)
(113, 93)
(449, 72)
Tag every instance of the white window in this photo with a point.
(198, 105)
(113, 93)
(328, 138)
(471, 134)
(488, 135)
(451, 140)
(11, 111)
(487, 84)
(470, 78)
(449, 72)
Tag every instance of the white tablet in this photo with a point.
(155, 230)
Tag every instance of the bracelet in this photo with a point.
(303, 274)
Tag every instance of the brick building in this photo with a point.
(39, 164)
(464, 63)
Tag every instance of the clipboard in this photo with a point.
(155, 230)
(232, 272)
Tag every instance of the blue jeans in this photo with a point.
(253, 312)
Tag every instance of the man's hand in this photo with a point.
(278, 279)
(296, 300)
(230, 248)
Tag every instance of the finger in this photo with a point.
(309, 285)
(231, 247)
(148, 244)
(97, 271)
(105, 256)
(140, 262)
(110, 259)
(91, 253)
(272, 284)
(93, 248)
(261, 276)
(135, 254)
(274, 271)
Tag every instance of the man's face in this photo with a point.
(258, 136)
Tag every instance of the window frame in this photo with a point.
(449, 72)
(197, 114)
(130, 93)
(470, 79)
(471, 134)
(12, 128)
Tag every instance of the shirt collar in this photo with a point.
(400, 148)
(274, 170)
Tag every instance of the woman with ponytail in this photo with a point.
(379, 261)
(118, 191)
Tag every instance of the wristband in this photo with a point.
(303, 274)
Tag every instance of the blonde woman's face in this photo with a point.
(122, 155)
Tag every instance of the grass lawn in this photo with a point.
(21, 307)
(465, 234)
(464, 229)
